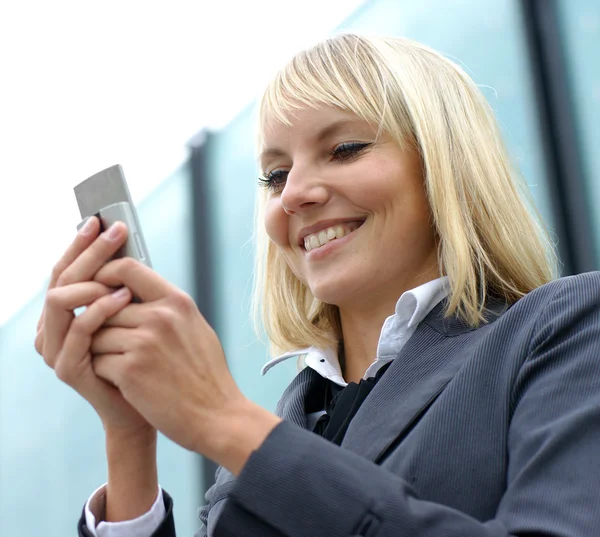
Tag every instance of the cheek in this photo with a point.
(276, 226)
(276, 223)
(397, 192)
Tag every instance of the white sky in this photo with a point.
(84, 85)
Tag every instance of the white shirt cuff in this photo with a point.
(142, 526)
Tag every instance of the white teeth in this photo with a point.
(323, 237)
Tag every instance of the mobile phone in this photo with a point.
(106, 195)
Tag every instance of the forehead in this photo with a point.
(311, 125)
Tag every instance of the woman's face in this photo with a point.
(348, 212)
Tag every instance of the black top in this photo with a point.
(340, 404)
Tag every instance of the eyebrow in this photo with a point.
(326, 132)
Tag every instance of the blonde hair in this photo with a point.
(491, 241)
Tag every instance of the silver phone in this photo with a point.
(106, 195)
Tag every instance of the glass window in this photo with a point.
(580, 28)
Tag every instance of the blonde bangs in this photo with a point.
(327, 75)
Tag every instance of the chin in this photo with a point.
(335, 293)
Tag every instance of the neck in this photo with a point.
(361, 328)
(361, 331)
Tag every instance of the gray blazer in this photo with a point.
(493, 431)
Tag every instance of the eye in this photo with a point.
(348, 150)
(274, 180)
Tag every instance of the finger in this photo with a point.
(130, 317)
(83, 239)
(39, 341)
(144, 282)
(95, 256)
(79, 337)
(112, 340)
(76, 295)
(60, 303)
(108, 367)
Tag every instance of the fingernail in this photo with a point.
(87, 227)
(121, 293)
(114, 232)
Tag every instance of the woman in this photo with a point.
(452, 385)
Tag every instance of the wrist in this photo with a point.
(132, 473)
(141, 434)
(238, 434)
(130, 454)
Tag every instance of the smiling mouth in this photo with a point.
(330, 234)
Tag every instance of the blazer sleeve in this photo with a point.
(297, 484)
(216, 496)
(166, 528)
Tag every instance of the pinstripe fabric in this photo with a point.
(291, 408)
(487, 432)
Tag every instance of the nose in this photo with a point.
(303, 190)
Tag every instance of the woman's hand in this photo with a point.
(169, 364)
(65, 340)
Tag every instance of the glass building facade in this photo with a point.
(52, 451)
(580, 37)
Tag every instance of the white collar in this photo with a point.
(412, 307)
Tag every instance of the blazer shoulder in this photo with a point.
(560, 309)
(569, 296)
(578, 290)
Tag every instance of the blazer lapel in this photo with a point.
(291, 404)
(418, 375)
(414, 380)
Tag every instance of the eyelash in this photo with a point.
(342, 153)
